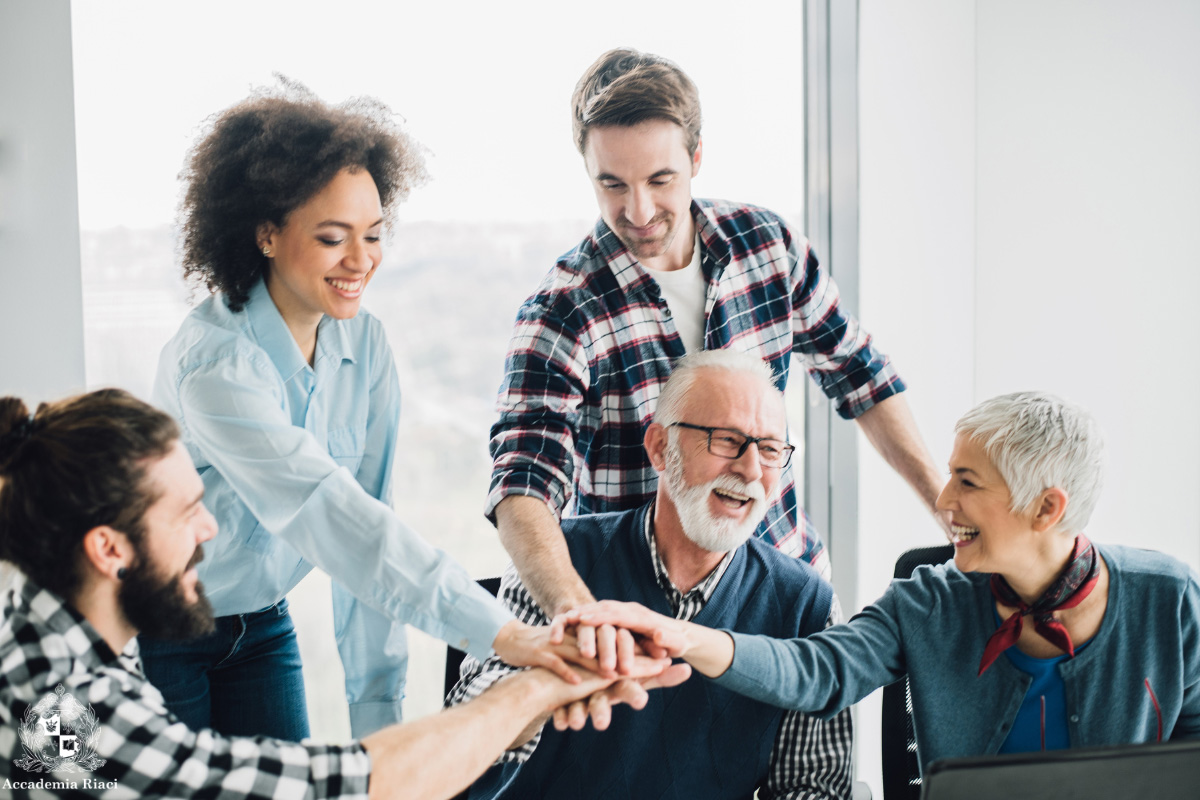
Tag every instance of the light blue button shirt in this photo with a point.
(297, 468)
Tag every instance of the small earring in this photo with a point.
(267, 252)
(121, 573)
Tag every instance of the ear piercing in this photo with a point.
(121, 573)
(267, 252)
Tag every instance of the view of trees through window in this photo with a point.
(486, 89)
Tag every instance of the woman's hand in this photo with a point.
(709, 651)
(661, 636)
(527, 646)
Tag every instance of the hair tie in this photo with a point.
(19, 433)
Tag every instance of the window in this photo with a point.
(486, 88)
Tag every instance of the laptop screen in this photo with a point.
(1168, 771)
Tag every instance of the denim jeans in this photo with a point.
(242, 680)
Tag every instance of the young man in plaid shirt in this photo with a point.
(661, 275)
(101, 509)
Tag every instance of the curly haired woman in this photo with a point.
(287, 396)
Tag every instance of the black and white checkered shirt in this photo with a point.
(811, 759)
(146, 751)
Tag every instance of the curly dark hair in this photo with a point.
(261, 159)
(76, 464)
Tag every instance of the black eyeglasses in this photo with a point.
(729, 443)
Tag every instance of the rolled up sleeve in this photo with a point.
(837, 352)
(533, 442)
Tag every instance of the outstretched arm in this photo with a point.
(709, 651)
(820, 674)
(535, 541)
(546, 377)
(854, 374)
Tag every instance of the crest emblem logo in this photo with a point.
(59, 734)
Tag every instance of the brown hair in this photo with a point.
(263, 158)
(625, 87)
(76, 464)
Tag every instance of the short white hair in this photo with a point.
(685, 373)
(1038, 441)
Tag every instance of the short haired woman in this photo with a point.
(1033, 638)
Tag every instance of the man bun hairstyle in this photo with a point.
(1038, 441)
(625, 87)
(259, 160)
(74, 465)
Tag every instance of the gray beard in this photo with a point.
(711, 533)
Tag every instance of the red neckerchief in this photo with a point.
(1068, 590)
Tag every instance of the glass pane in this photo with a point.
(486, 87)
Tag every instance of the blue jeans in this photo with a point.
(242, 680)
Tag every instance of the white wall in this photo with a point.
(41, 299)
(1088, 239)
(1030, 183)
(41, 296)
(917, 196)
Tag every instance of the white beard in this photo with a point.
(715, 534)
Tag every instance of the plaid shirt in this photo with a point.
(146, 751)
(810, 759)
(594, 344)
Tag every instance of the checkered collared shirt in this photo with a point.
(146, 751)
(810, 759)
(594, 344)
(683, 606)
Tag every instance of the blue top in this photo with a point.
(1026, 733)
(297, 468)
(933, 627)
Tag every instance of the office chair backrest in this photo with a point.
(901, 769)
(454, 656)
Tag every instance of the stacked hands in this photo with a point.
(607, 653)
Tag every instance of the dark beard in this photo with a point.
(158, 607)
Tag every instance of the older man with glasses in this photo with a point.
(718, 444)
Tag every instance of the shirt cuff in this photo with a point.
(882, 385)
(373, 715)
(479, 631)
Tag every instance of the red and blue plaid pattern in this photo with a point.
(593, 346)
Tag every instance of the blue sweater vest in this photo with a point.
(696, 740)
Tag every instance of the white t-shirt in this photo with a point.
(685, 291)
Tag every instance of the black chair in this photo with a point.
(454, 656)
(901, 770)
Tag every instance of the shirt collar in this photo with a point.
(46, 609)
(635, 278)
(631, 276)
(333, 342)
(714, 241)
(272, 333)
(274, 337)
(702, 590)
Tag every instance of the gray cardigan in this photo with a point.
(933, 628)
